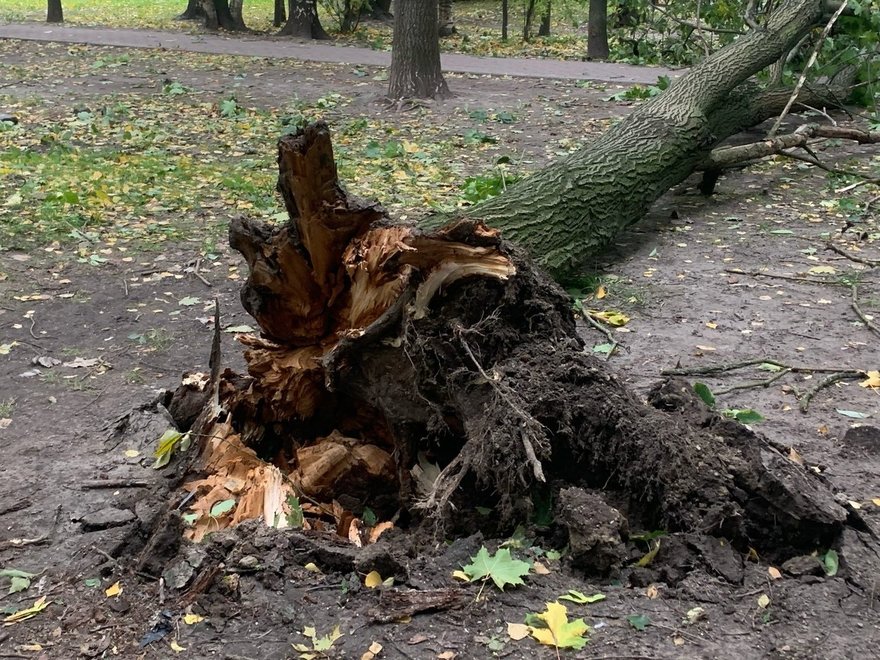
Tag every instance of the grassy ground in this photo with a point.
(479, 24)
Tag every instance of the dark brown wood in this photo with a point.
(597, 30)
(55, 12)
(303, 21)
(415, 54)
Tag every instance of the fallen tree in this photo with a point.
(415, 373)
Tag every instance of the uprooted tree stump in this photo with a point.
(420, 374)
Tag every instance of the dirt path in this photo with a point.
(312, 51)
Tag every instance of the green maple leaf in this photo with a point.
(501, 568)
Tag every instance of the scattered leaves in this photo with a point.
(319, 644)
(29, 612)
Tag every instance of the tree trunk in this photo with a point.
(544, 28)
(597, 30)
(218, 15)
(302, 20)
(193, 11)
(379, 10)
(55, 12)
(280, 15)
(408, 371)
(527, 19)
(415, 54)
(236, 7)
(568, 212)
(447, 23)
(505, 19)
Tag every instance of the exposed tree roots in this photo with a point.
(421, 374)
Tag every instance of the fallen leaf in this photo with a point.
(823, 270)
(540, 569)
(191, 618)
(853, 414)
(774, 573)
(501, 568)
(648, 557)
(131, 453)
(189, 301)
(638, 621)
(876, 501)
(21, 615)
(81, 363)
(652, 592)
(873, 379)
(372, 652)
(601, 292)
(113, 590)
(447, 655)
(612, 318)
(694, 615)
(794, 456)
(580, 598)
(239, 329)
(177, 648)
(553, 628)
(373, 580)
(830, 562)
(706, 349)
(712, 326)
(311, 567)
(517, 631)
(763, 601)
(5, 348)
(678, 641)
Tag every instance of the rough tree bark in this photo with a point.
(505, 19)
(415, 53)
(55, 12)
(218, 15)
(193, 11)
(569, 211)
(597, 30)
(279, 15)
(379, 10)
(447, 22)
(302, 20)
(544, 28)
(386, 349)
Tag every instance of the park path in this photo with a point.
(312, 51)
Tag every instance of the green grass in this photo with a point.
(133, 171)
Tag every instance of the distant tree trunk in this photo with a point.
(544, 29)
(415, 53)
(193, 11)
(302, 20)
(505, 19)
(55, 13)
(235, 10)
(527, 19)
(280, 14)
(379, 10)
(218, 15)
(447, 23)
(597, 30)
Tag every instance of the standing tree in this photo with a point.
(447, 22)
(415, 53)
(544, 28)
(505, 19)
(381, 343)
(193, 11)
(302, 20)
(279, 14)
(226, 14)
(55, 13)
(597, 30)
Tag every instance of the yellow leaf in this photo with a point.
(763, 601)
(612, 318)
(177, 648)
(794, 457)
(711, 326)
(823, 270)
(373, 580)
(601, 292)
(774, 573)
(191, 619)
(517, 631)
(447, 655)
(131, 453)
(873, 379)
(39, 605)
(559, 631)
(648, 557)
(372, 652)
(461, 575)
(113, 590)
(311, 567)
(876, 501)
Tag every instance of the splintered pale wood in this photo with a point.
(325, 277)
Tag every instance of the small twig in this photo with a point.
(33, 323)
(104, 554)
(125, 287)
(852, 257)
(39, 540)
(854, 303)
(803, 77)
(161, 591)
(733, 366)
(197, 274)
(754, 384)
(790, 278)
(818, 111)
(95, 484)
(829, 380)
(605, 331)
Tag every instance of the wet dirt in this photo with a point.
(671, 275)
